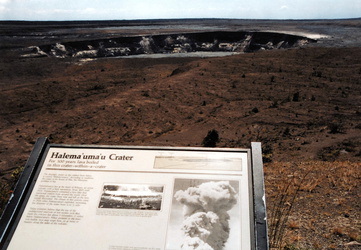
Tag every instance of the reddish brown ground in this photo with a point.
(304, 105)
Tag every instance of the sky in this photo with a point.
(60, 10)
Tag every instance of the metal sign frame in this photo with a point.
(29, 178)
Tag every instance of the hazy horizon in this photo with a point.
(166, 19)
(98, 10)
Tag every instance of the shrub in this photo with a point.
(329, 153)
(267, 153)
(296, 97)
(336, 127)
(317, 73)
(286, 132)
(274, 104)
(211, 139)
(255, 110)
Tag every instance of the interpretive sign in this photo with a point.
(122, 198)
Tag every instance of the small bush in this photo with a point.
(255, 110)
(336, 127)
(274, 104)
(296, 97)
(211, 139)
(329, 153)
(16, 173)
(317, 73)
(286, 132)
(97, 87)
(267, 153)
(145, 93)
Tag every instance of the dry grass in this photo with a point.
(281, 209)
(5, 193)
(293, 224)
(312, 205)
(7, 187)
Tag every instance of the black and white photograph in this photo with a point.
(205, 214)
(132, 196)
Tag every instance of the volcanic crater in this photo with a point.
(220, 41)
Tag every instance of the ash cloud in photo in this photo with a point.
(132, 196)
(204, 213)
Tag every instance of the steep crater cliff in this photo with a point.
(241, 42)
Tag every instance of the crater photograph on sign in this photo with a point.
(131, 196)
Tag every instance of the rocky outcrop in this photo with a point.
(167, 44)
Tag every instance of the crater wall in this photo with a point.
(221, 41)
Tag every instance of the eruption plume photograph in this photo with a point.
(205, 215)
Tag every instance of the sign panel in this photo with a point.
(123, 198)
